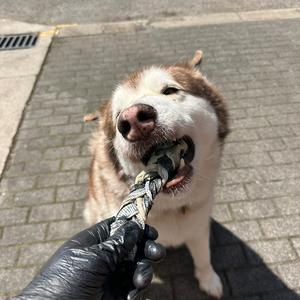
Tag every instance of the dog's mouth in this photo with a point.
(182, 175)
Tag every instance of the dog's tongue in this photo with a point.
(179, 177)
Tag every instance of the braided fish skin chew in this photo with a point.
(163, 162)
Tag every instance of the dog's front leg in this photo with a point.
(209, 281)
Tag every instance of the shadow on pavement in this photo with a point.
(244, 274)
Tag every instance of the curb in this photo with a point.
(73, 30)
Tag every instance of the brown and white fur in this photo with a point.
(196, 110)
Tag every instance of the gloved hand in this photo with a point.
(93, 265)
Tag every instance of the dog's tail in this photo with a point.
(91, 117)
(196, 60)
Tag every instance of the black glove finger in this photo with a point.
(134, 294)
(118, 246)
(92, 235)
(143, 274)
(150, 233)
(154, 251)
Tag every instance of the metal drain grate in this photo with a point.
(18, 41)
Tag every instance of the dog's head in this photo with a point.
(163, 103)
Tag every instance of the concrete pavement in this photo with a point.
(255, 236)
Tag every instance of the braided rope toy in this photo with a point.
(164, 160)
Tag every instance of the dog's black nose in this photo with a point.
(137, 122)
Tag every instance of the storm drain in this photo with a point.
(18, 41)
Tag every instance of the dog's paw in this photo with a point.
(210, 283)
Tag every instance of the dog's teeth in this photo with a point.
(182, 163)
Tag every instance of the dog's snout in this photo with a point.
(137, 122)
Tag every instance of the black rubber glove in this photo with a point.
(92, 265)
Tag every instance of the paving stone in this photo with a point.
(252, 160)
(273, 189)
(235, 113)
(53, 120)
(66, 129)
(13, 216)
(280, 172)
(253, 209)
(35, 197)
(178, 261)
(15, 279)
(221, 213)
(280, 295)
(14, 170)
(82, 177)
(246, 230)
(61, 152)
(286, 156)
(253, 280)
(272, 110)
(28, 124)
(226, 162)
(33, 133)
(272, 251)
(274, 131)
(65, 229)
(57, 179)
(37, 254)
(230, 193)
(78, 209)
(235, 176)
(283, 119)
(76, 163)
(38, 113)
(254, 146)
(288, 205)
(57, 211)
(49, 166)
(281, 227)
(73, 192)
(18, 184)
(187, 287)
(249, 123)
(70, 110)
(6, 199)
(228, 257)
(45, 142)
(81, 139)
(296, 244)
(238, 135)
(8, 256)
(292, 142)
(55, 103)
(85, 151)
(23, 234)
(291, 274)
(296, 129)
(27, 155)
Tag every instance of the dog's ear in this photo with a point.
(92, 117)
(196, 60)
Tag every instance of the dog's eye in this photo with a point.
(170, 91)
